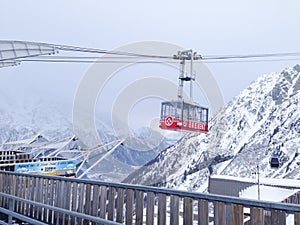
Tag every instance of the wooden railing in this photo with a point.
(132, 204)
(8, 215)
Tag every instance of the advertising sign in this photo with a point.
(54, 168)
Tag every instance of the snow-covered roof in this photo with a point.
(267, 193)
(24, 141)
(19, 142)
(55, 145)
(225, 177)
(289, 183)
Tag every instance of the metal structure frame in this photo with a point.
(83, 154)
(11, 52)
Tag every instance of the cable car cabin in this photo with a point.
(182, 116)
(274, 163)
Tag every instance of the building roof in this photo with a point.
(267, 193)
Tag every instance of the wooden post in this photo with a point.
(74, 201)
(174, 208)
(26, 194)
(150, 208)
(139, 207)
(282, 218)
(129, 205)
(81, 198)
(103, 202)
(95, 200)
(203, 212)
(81, 201)
(219, 213)
(296, 218)
(2, 182)
(61, 197)
(161, 218)
(14, 190)
(237, 214)
(67, 202)
(1, 189)
(54, 199)
(18, 193)
(46, 199)
(188, 211)
(40, 190)
(278, 217)
(256, 216)
(32, 194)
(111, 203)
(120, 205)
(274, 217)
(51, 200)
(87, 209)
(57, 200)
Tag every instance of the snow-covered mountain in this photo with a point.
(260, 123)
(22, 120)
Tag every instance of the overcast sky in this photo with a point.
(208, 27)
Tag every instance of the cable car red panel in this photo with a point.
(178, 115)
(183, 125)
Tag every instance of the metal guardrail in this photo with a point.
(125, 203)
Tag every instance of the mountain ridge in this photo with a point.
(262, 122)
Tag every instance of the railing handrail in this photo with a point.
(289, 208)
(20, 217)
(61, 210)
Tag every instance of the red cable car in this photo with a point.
(183, 116)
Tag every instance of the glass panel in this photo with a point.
(178, 110)
(198, 114)
(168, 109)
(185, 112)
(162, 111)
(193, 113)
(204, 114)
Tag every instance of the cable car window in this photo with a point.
(172, 110)
(203, 115)
(195, 114)
(178, 111)
(198, 115)
(185, 112)
(187, 117)
(191, 111)
(163, 111)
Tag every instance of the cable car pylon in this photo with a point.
(183, 115)
(183, 56)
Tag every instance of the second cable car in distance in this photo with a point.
(180, 115)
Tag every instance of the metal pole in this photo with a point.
(180, 88)
(10, 208)
(191, 74)
(103, 157)
(258, 183)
